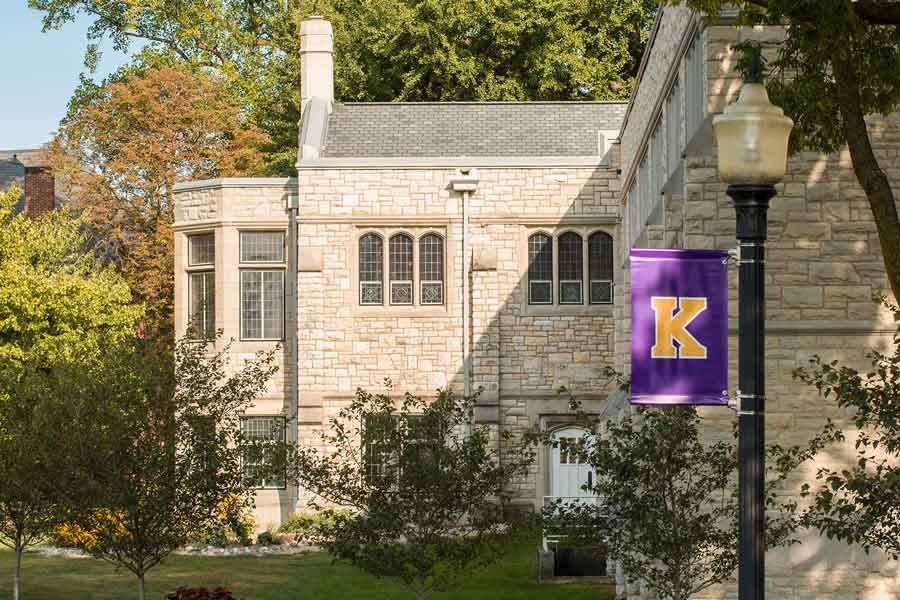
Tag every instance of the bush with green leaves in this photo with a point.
(306, 526)
(409, 490)
(861, 503)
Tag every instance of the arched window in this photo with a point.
(571, 268)
(600, 267)
(540, 269)
(431, 269)
(401, 269)
(371, 269)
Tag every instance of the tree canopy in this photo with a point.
(122, 152)
(384, 49)
(56, 300)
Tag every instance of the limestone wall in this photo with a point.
(823, 267)
(520, 354)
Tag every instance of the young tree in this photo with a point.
(57, 303)
(837, 65)
(122, 152)
(417, 499)
(672, 522)
(861, 504)
(384, 49)
(171, 444)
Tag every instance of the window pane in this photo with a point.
(431, 258)
(600, 267)
(371, 269)
(251, 304)
(273, 305)
(262, 246)
(380, 463)
(257, 460)
(570, 257)
(432, 293)
(401, 258)
(401, 269)
(570, 267)
(203, 305)
(540, 269)
(202, 249)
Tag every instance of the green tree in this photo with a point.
(171, 448)
(836, 65)
(56, 300)
(384, 49)
(417, 498)
(57, 304)
(672, 523)
(861, 504)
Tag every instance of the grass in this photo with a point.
(297, 577)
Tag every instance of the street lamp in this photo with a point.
(752, 137)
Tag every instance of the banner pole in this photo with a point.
(751, 203)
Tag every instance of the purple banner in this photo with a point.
(679, 327)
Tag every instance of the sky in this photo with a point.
(40, 71)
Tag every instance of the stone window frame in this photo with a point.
(385, 309)
(193, 269)
(557, 308)
(259, 266)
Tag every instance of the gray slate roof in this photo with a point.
(457, 129)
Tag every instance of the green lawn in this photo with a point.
(298, 577)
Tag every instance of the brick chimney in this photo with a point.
(316, 61)
(40, 191)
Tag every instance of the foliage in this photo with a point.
(384, 49)
(171, 448)
(56, 304)
(56, 301)
(425, 497)
(266, 538)
(122, 152)
(87, 533)
(672, 523)
(836, 65)
(183, 593)
(234, 524)
(861, 504)
(311, 525)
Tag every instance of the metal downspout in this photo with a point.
(292, 336)
(465, 181)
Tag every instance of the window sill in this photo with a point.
(552, 310)
(401, 310)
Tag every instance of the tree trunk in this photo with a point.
(141, 586)
(868, 172)
(17, 570)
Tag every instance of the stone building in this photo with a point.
(482, 245)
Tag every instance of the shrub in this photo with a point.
(185, 593)
(234, 525)
(266, 538)
(87, 534)
(309, 526)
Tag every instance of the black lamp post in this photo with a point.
(752, 138)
